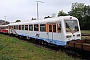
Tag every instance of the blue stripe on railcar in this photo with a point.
(57, 42)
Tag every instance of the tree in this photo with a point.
(18, 20)
(76, 9)
(86, 17)
(61, 13)
(82, 12)
(47, 17)
(77, 5)
(33, 19)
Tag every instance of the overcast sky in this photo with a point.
(26, 9)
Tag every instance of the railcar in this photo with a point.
(4, 29)
(58, 30)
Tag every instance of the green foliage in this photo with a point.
(61, 13)
(77, 5)
(15, 49)
(18, 20)
(85, 32)
(2, 21)
(82, 12)
(1, 47)
(3, 57)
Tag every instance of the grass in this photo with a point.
(12, 48)
(85, 32)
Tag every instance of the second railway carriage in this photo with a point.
(4, 29)
(56, 31)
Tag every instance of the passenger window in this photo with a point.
(31, 27)
(36, 27)
(50, 28)
(22, 27)
(26, 27)
(13, 27)
(42, 27)
(16, 27)
(54, 28)
(9, 27)
(59, 27)
(19, 27)
(6, 27)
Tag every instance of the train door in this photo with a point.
(51, 30)
(9, 29)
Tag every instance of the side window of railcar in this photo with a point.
(50, 28)
(31, 27)
(54, 28)
(35, 27)
(9, 27)
(19, 27)
(59, 27)
(6, 27)
(22, 27)
(12, 27)
(16, 27)
(26, 27)
(42, 27)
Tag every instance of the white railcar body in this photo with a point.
(68, 26)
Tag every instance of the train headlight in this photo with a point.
(68, 36)
(78, 35)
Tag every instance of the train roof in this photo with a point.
(3, 25)
(43, 21)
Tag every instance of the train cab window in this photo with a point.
(31, 27)
(22, 27)
(36, 27)
(59, 27)
(54, 28)
(50, 28)
(19, 27)
(42, 27)
(71, 25)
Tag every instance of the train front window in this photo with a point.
(71, 25)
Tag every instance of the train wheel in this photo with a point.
(45, 43)
(42, 42)
(39, 41)
(20, 36)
